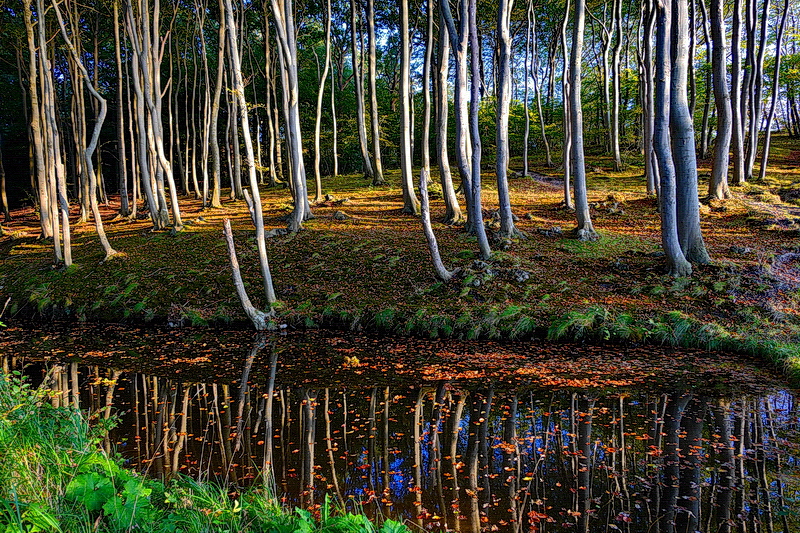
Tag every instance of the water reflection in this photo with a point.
(465, 455)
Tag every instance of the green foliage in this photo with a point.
(56, 478)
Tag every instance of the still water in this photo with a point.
(445, 435)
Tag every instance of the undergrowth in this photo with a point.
(56, 478)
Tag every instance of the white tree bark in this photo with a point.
(682, 140)
(718, 185)
(504, 8)
(410, 202)
(585, 229)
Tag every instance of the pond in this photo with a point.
(446, 435)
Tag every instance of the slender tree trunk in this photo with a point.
(255, 205)
(335, 128)
(474, 106)
(424, 175)
(526, 74)
(3, 196)
(585, 230)
(453, 213)
(537, 89)
(651, 167)
(373, 96)
(37, 133)
(755, 95)
(90, 149)
(566, 121)
(124, 207)
(358, 83)
(320, 95)
(705, 129)
(718, 185)
(216, 179)
(410, 202)
(504, 9)
(737, 133)
(615, 89)
(775, 90)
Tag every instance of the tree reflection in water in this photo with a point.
(466, 455)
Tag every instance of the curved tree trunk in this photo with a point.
(474, 106)
(320, 95)
(453, 213)
(410, 202)
(255, 205)
(98, 125)
(358, 84)
(424, 175)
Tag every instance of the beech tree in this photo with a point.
(585, 230)
(681, 131)
(718, 185)
(504, 7)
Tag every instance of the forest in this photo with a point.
(466, 117)
(548, 246)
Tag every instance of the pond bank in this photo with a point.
(370, 272)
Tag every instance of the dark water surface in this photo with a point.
(446, 435)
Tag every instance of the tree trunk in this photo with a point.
(320, 95)
(737, 133)
(90, 149)
(474, 106)
(676, 261)
(718, 185)
(3, 196)
(216, 179)
(585, 231)
(358, 84)
(124, 207)
(504, 9)
(775, 90)
(566, 121)
(424, 175)
(410, 202)
(285, 25)
(459, 41)
(452, 213)
(373, 96)
(259, 318)
(537, 90)
(682, 141)
(255, 205)
(651, 165)
(615, 68)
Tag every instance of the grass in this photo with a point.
(371, 273)
(55, 477)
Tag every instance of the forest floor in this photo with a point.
(368, 269)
